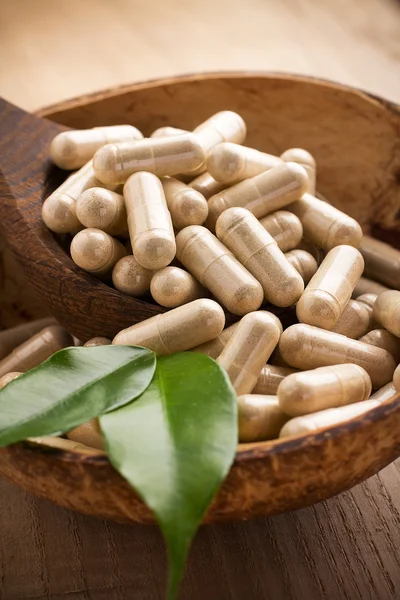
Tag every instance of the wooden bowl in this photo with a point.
(354, 138)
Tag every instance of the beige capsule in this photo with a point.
(167, 132)
(260, 418)
(285, 228)
(114, 163)
(354, 321)
(177, 330)
(277, 360)
(326, 418)
(230, 163)
(382, 261)
(96, 252)
(186, 205)
(13, 337)
(149, 221)
(66, 445)
(325, 225)
(97, 341)
(387, 392)
(224, 126)
(367, 286)
(329, 291)
(8, 377)
(396, 379)
(270, 378)
(326, 387)
(306, 160)
(368, 301)
(241, 232)
(87, 434)
(383, 339)
(102, 209)
(35, 350)
(59, 209)
(262, 194)
(172, 287)
(218, 270)
(131, 278)
(215, 346)
(387, 311)
(206, 185)
(72, 149)
(249, 348)
(306, 347)
(303, 262)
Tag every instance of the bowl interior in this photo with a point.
(353, 137)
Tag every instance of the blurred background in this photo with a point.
(51, 50)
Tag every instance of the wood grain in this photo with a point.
(50, 50)
(346, 548)
(342, 549)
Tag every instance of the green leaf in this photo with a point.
(71, 387)
(175, 445)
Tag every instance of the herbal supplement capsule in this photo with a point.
(325, 225)
(149, 221)
(257, 250)
(387, 311)
(328, 292)
(303, 262)
(72, 149)
(396, 379)
(172, 287)
(13, 337)
(63, 444)
(326, 418)
(215, 346)
(59, 209)
(88, 435)
(368, 301)
(8, 377)
(131, 278)
(382, 261)
(114, 163)
(35, 350)
(385, 393)
(306, 160)
(249, 348)
(102, 209)
(262, 194)
(177, 330)
(96, 251)
(206, 185)
(97, 341)
(367, 286)
(186, 205)
(306, 347)
(217, 269)
(285, 228)
(326, 387)
(167, 132)
(270, 378)
(354, 320)
(224, 126)
(260, 418)
(383, 339)
(230, 163)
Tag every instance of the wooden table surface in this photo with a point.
(345, 548)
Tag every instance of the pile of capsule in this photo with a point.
(206, 225)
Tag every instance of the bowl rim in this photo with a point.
(107, 93)
(256, 450)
